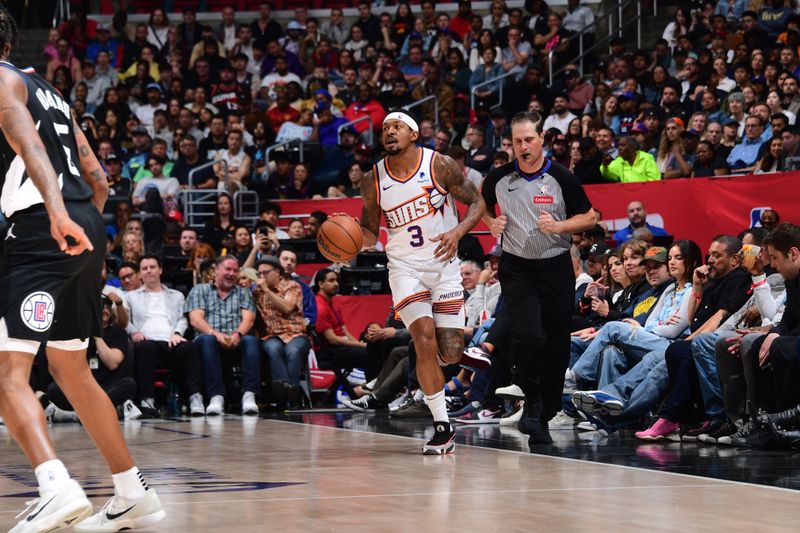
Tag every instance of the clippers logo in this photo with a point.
(37, 311)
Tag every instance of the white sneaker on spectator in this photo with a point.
(355, 377)
(130, 411)
(397, 402)
(513, 418)
(586, 426)
(249, 405)
(570, 384)
(55, 510)
(216, 406)
(562, 421)
(119, 513)
(196, 404)
(512, 392)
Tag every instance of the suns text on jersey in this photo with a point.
(48, 100)
(408, 212)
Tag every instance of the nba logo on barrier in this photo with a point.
(755, 216)
(37, 311)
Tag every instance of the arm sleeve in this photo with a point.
(182, 324)
(247, 302)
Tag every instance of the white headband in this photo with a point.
(402, 117)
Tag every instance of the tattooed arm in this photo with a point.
(20, 132)
(371, 212)
(92, 172)
(450, 175)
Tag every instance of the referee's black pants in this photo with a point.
(540, 294)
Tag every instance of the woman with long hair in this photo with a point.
(757, 63)
(455, 73)
(403, 23)
(489, 70)
(609, 113)
(300, 187)
(773, 157)
(698, 122)
(132, 245)
(485, 40)
(222, 225)
(775, 103)
(618, 279)
(201, 255)
(242, 244)
(670, 147)
(677, 27)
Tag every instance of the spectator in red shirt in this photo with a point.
(363, 106)
(461, 22)
(282, 112)
(336, 342)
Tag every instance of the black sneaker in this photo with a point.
(366, 404)
(536, 430)
(443, 440)
(788, 419)
(754, 435)
(745, 431)
(724, 432)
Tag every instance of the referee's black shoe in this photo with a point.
(535, 428)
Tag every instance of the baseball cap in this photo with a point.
(650, 112)
(112, 157)
(627, 96)
(364, 149)
(598, 249)
(294, 25)
(89, 115)
(325, 93)
(571, 73)
(140, 130)
(641, 128)
(657, 254)
(349, 129)
(153, 87)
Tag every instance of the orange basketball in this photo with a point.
(339, 238)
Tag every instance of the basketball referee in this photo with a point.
(542, 204)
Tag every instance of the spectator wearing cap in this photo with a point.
(279, 77)
(145, 112)
(631, 166)
(596, 259)
(96, 85)
(587, 169)
(137, 157)
(489, 70)
(578, 90)
(325, 127)
(291, 40)
(744, 155)
(106, 43)
(118, 186)
(628, 104)
(560, 117)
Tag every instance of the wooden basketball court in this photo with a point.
(256, 475)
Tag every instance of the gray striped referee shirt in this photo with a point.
(522, 197)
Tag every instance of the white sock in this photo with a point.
(438, 406)
(51, 475)
(130, 484)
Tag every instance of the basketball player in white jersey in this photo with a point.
(413, 188)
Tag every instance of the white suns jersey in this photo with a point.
(415, 209)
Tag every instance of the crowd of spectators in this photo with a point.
(718, 94)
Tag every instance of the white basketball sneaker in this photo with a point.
(119, 513)
(55, 510)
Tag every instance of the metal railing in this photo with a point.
(207, 164)
(487, 82)
(245, 206)
(198, 204)
(621, 25)
(61, 13)
(433, 97)
(274, 147)
(356, 121)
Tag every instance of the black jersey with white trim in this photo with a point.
(51, 115)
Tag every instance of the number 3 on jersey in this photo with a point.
(416, 236)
